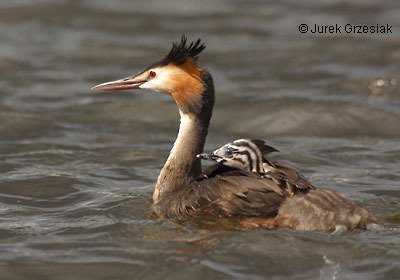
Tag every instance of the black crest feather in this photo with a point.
(181, 51)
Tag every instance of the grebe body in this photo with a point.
(280, 196)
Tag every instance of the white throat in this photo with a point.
(185, 130)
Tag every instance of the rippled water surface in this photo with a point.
(78, 168)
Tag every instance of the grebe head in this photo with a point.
(177, 74)
(242, 154)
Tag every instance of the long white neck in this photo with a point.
(182, 166)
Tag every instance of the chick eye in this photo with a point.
(152, 74)
(231, 151)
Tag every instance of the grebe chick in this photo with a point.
(250, 155)
(243, 154)
(230, 193)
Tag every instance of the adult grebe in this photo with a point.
(182, 191)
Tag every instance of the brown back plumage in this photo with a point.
(278, 194)
(224, 192)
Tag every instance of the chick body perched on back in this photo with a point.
(250, 155)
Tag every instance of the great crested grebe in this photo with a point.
(183, 191)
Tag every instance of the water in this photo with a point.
(78, 168)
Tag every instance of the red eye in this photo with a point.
(152, 74)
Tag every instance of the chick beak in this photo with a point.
(210, 156)
(127, 83)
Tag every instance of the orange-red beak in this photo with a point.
(127, 83)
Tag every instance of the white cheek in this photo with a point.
(158, 84)
(151, 85)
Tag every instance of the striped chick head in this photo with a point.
(244, 154)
